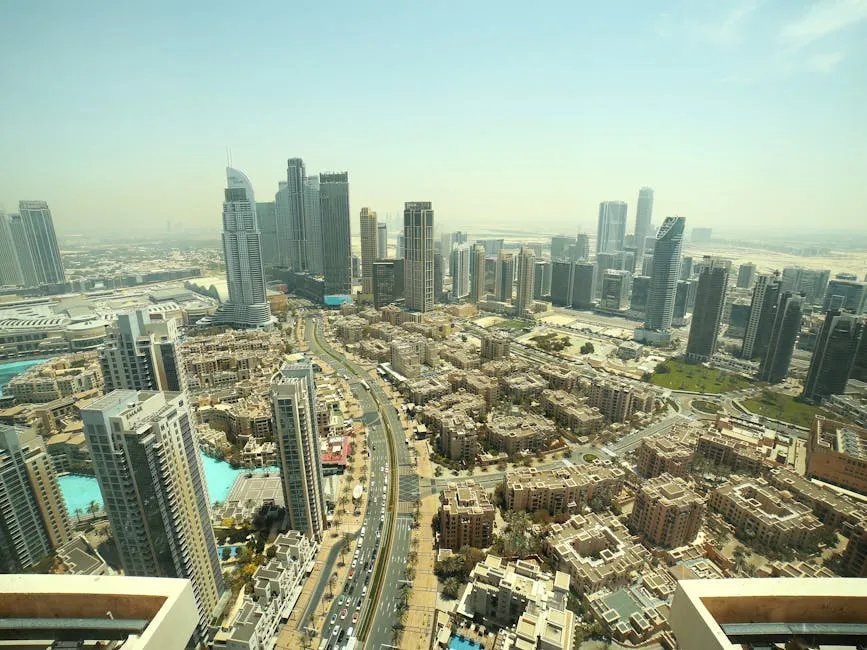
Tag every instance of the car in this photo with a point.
(358, 604)
(335, 630)
(334, 619)
(364, 591)
(354, 563)
(382, 518)
(341, 599)
(351, 572)
(355, 617)
(343, 613)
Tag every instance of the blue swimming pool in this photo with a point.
(11, 368)
(460, 643)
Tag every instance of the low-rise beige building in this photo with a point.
(570, 411)
(495, 347)
(513, 434)
(618, 400)
(466, 516)
(596, 550)
(564, 489)
(831, 508)
(666, 512)
(667, 453)
(456, 418)
(837, 453)
(522, 386)
(761, 512)
(477, 383)
(527, 604)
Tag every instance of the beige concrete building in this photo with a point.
(565, 489)
(422, 390)
(761, 512)
(52, 380)
(522, 386)
(456, 419)
(837, 453)
(570, 411)
(667, 453)
(513, 434)
(527, 604)
(350, 329)
(461, 356)
(495, 347)
(596, 550)
(666, 512)
(560, 376)
(618, 400)
(855, 555)
(832, 508)
(466, 516)
(477, 383)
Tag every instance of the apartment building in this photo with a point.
(667, 453)
(596, 550)
(522, 386)
(466, 516)
(570, 411)
(564, 489)
(666, 512)
(495, 347)
(422, 390)
(770, 516)
(53, 380)
(618, 400)
(837, 454)
(831, 508)
(513, 434)
(477, 383)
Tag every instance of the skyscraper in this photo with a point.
(561, 247)
(784, 335)
(146, 459)
(369, 230)
(314, 239)
(293, 402)
(387, 282)
(763, 311)
(289, 203)
(381, 241)
(477, 273)
(611, 228)
(850, 295)
(710, 299)
(665, 273)
(581, 249)
(640, 293)
(505, 279)
(605, 261)
(439, 277)
(542, 279)
(33, 517)
(526, 272)
(336, 248)
(460, 268)
(583, 287)
(10, 267)
(266, 218)
(746, 273)
(643, 215)
(141, 354)
(811, 282)
(418, 217)
(400, 245)
(242, 249)
(833, 356)
(39, 227)
(561, 283)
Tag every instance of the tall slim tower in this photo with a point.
(369, 246)
(526, 275)
(146, 459)
(291, 245)
(643, 215)
(141, 354)
(314, 254)
(763, 310)
(611, 228)
(460, 267)
(39, 227)
(242, 248)
(10, 267)
(477, 273)
(381, 241)
(710, 299)
(505, 279)
(293, 403)
(664, 275)
(33, 517)
(266, 219)
(836, 349)
(21, 243)
(336, 247)
(418, 218)
(784, 335)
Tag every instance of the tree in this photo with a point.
(451, 588)
(226, 553)
(93, 508)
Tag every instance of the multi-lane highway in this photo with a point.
(373, 589)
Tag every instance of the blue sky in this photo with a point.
(741, 114)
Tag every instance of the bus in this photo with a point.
(365, 385)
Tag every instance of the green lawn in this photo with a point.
(784, 407)
(512, 324)
(705, 407)
(679, 375)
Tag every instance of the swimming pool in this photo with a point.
(10, 369)
(460, 643)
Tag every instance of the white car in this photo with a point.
(354, 563)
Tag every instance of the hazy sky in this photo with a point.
(746, 112)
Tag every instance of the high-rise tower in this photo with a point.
(526, 274)
(611, 228)
(39, 226)
(643, 215)
(460, 268)
(293, 403)
(505, 279)
(33, 517)
(141, 354)
(784, 335)
(664, 274)
(242, 247)
(710, 299)
(763, 310)
(289, 206)
(833, 356)
(336, 247)
(369, 246)
(381, 241)
(418, 218)
(477, 273)
(10, 267)
(146, 459)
